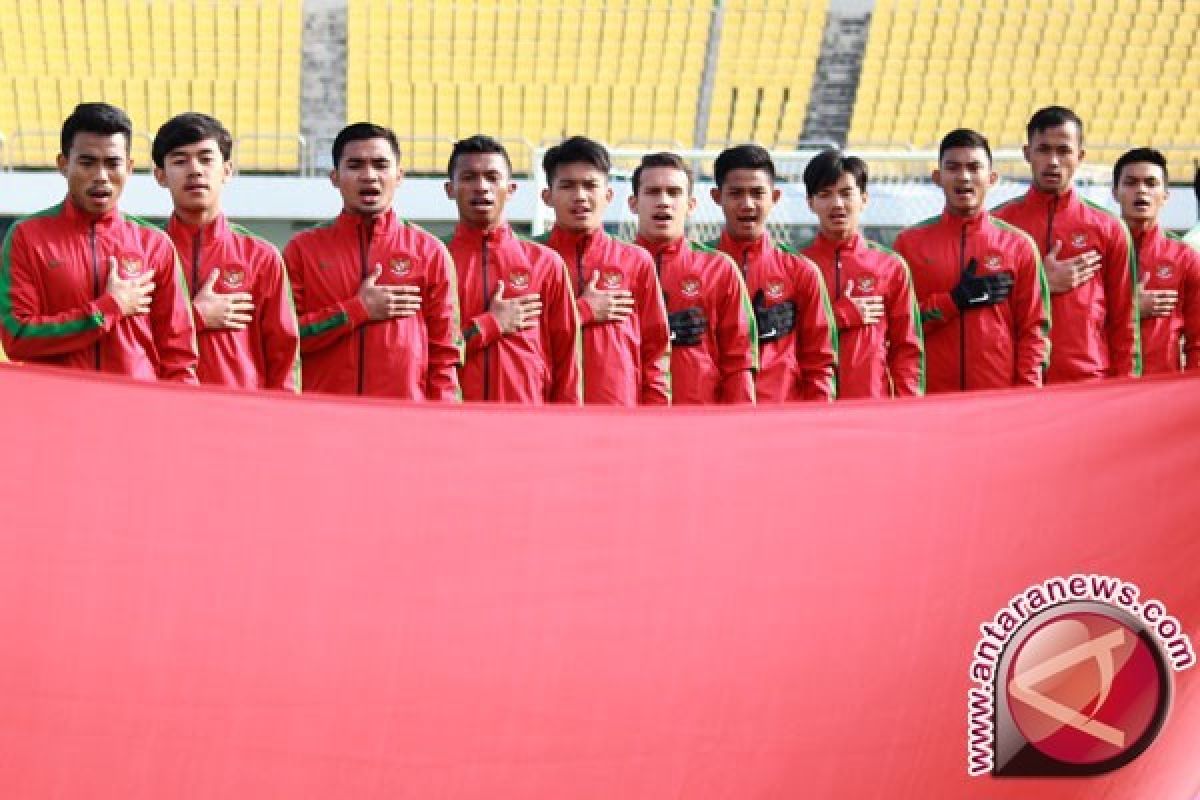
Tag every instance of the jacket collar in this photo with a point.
(957, 223)
(475, 237)
(822, 245)
(180, 231)
(74, 215)
(1044, 200)
(1147, 237)
(662, 249)
(377, 226)
(570, 241)
(743, 249)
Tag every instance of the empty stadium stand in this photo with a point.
(765, 65)
(532, 71)
(236, 59)
(1128, 67)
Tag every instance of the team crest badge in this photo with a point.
(519, 279)
(690, 287)
(53, 263)
(611, 278)
(993, 261)
(866, 284)
(130, 267)
(1079, 240)
(775, 290)
(401, 267)
(234, 277)
(1164, 272)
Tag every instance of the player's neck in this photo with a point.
(964, 214)
(758, 237)
(484, 228)
(197, 218)
(658, 240)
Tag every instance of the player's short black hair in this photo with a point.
(361, 132)
(576, 150)
(99, 118)
(1140, 155)
(663, 160)
(743, 156)
(964, 137)
(189, 128)
(477, 144)
(828, 167)
(1052, 117)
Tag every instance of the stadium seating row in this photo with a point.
(630, 72)
(239, 59)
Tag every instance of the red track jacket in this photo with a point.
(53, 304)
(414, 358)
(986, 348)
(624, 363)
(266, 353)
(800, 365)
(1171, 264)
(1095, 325)
(720, 369)
(887, 358)
(534, 366)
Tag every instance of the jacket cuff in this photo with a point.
(356, 311)
(941, 307)
(845, 314)
(106, 304)
(586, 315)
(489, 328)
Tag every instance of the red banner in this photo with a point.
(217, 595)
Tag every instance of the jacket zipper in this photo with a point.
(486, 303)
(962, 318)
(95, 281)
(1050, 224)
(363, 242)
(196, 261)
(579, 264)
(837, 289)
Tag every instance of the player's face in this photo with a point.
(579, 196)
(195, 174)
(1053, 155)
(96, 168)
(838, 207)
(746, 197)
(480, 186)
(367, 176)
(965, 175)
(1142, 192)
(662, 203)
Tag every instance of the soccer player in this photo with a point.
(241, 301)
(626, 357)
(713, 350)
(375, 294)
(978, 281)
(84, 285)
(1169, 299)
(796, 338)
(521, 329)
(880, 351)
(1089, 260)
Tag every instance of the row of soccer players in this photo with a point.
(383, 308)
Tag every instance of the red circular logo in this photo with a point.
(1084, 688)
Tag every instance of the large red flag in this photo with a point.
(218, 595)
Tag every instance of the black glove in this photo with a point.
(687, 326)
(774, 322)
(980, 291)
